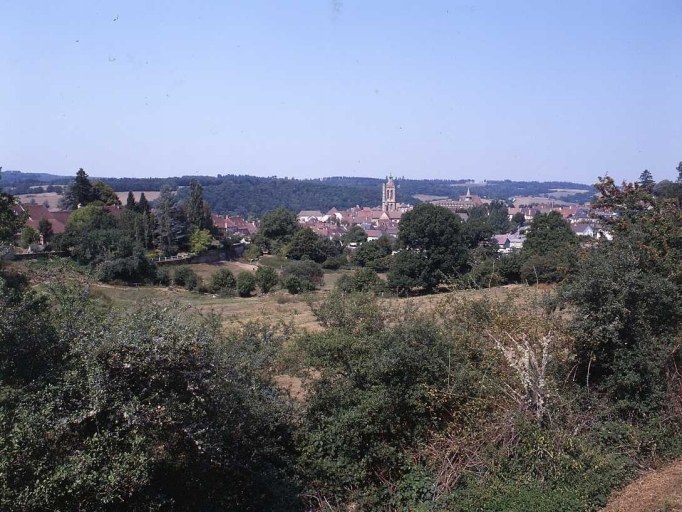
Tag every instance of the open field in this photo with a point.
(150, 195)
(52, 199)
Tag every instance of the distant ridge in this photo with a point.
(253, 195)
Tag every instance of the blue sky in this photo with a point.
(485, 90)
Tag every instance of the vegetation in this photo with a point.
(544, 402)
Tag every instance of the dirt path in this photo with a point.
(657, 491)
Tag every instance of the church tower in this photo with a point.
(388, 203)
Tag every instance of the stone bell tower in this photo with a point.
(388, 203)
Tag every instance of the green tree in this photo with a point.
(130, 202)
(550, 251)
(200, 240)
(197, 210)
(434, 234)
(266, 278)
(679, 172)
(28, 236)
(45, 230)
(171, 231)
(646, 179)
(143, 205)
(79, 193)
(104, 193)
(10, 222)
(246, 283)
(306, 243)
(355, 235)
(222, 281)
(279, 225)
(151, 409)
(373, 253)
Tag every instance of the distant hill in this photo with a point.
(253, 195)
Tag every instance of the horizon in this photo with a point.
(525, 91)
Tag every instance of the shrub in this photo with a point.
(304, 270)
(246, 284)
(266, 278)
(334, 262)
(296, 285)
(163, 276)
(222, 281)
(185, 276)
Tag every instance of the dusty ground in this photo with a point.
(657, 491)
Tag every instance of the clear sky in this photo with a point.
(424, 89)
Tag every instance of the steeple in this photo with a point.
(388, 202)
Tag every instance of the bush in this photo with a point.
(163, 276)
(222, 281)
(185, 276)
(295, 285)
(246, 284)
(266, 278)
(334, 262)
(305, 271)
(133, 269)
(362, 280)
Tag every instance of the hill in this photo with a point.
(253, 195)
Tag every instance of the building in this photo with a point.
(388, 202)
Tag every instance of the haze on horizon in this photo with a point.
(483, 90)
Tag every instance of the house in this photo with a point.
(308, 215)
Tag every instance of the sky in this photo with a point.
(546, 90)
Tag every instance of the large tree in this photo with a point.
(197, 210)
(10, 222)
(435, 234)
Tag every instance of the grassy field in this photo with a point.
(278, 306)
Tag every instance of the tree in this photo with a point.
(130, 202)
(355, 235)
(200, 240)
(153, 409)
(434, 234)
(143, 205)
(266, 278)
(306, 243)
(104, 193)
(222, 281)
(45, 230)
(646, 179)
(246, 283)
(373, 253)
(549, 253)
(171, 224)
(10, 222)
(79, 192)
(28, 236)
(197, 210)
(679, 173)
(279, 225)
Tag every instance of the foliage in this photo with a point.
(185, 276)
(266, 279)
(306, 243)
(222, 282)
(432, 235)
(373, 254)
(355, 235)
(45, 229)
(362, 280)
(628, 298)
(10, 223)
(197, 210)
(246, 283)
(105, 194)
(28, 236)
(279, 225)
(295, 284)
(200, 240)
(335, 262)
(136, 268)
(148, 410)
(308, 272)
(550, 251)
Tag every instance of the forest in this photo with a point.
(545, 400)
(251, 196)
